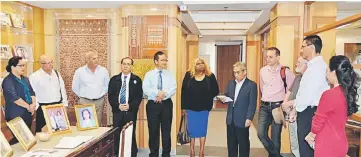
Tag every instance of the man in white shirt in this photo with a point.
(49, 88)
(90, 83)
(312, 85)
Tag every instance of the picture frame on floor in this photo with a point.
(56, 118)
(86, 117)
(22, 133)
(5, 148)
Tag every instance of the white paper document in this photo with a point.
(72, 142)
(47, 153)
(227, 99)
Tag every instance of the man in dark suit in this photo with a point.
(240, 112)
(125, 93)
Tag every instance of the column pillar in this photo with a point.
(321, 14)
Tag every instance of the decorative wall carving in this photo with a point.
(147, 35)
(75, 38)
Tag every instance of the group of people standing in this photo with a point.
(314, 111)
(317, 114)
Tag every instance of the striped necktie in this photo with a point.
(123, 95)
(160, 81)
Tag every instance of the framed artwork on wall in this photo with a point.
(18, 20)
(24, 51)
(5, 19)
(5, 52)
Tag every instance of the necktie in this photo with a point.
(160, 81)
(123, 96)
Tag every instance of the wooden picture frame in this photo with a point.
(56, 123)
(17, 20)
(22, 133)
(6, 150)
(84, 122)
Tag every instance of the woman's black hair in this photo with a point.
(347, 79)
(13, 61)
(85, 110)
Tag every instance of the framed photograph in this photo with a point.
(22, 133)
(56, 119)
(86, 117)
(5, 148)
(18, 20)
(5, 52)
(26, 52)
(5, 19)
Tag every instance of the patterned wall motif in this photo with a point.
(74, 39)
(147, 35)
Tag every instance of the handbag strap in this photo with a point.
(180, 126)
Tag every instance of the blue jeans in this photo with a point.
(265, 119)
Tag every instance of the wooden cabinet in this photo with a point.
(103, 147)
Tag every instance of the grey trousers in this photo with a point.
(294, 139)
(99, 106)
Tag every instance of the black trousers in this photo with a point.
(119, 120)
(40, 120)
(238, 141)
(265, 119)
(159, 117)
(304, 122)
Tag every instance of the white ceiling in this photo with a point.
(213, 20)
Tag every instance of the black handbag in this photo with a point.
(183, 137)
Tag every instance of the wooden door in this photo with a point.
(227, 55)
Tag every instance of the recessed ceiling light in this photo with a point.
(154, 9)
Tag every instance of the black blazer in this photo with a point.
(245, 105)
(135, 92)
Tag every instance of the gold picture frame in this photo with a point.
(5, 148)
(22, 133)
(86, 117)
(56, 123)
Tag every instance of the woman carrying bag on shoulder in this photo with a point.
(199, 87)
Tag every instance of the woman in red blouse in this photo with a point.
(328, 125)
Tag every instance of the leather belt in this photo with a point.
(272, 103)
(93, 99)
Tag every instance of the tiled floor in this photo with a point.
(216, 143)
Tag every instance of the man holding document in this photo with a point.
(241, 110)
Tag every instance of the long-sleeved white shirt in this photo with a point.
(47, 87)
(312, 85)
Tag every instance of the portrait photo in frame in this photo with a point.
(86, 117)
(22, 133)
(24, 51)
(5, 148)
(57, 121)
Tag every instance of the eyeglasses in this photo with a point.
(51, 62)
(305, 46)
(129, 64)
(21, 65)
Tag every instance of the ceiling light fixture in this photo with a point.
(153, 9)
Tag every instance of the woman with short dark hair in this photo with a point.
(18, 93)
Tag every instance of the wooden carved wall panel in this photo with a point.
(147, 35)
(75, 38)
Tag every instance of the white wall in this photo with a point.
(346, 37)
(208, 50)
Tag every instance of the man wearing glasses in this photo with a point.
(49, 88)
(312, 85)
(125, 94)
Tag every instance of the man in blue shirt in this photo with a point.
(90, 83)
(159, 86)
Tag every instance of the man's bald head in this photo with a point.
(46, 63)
